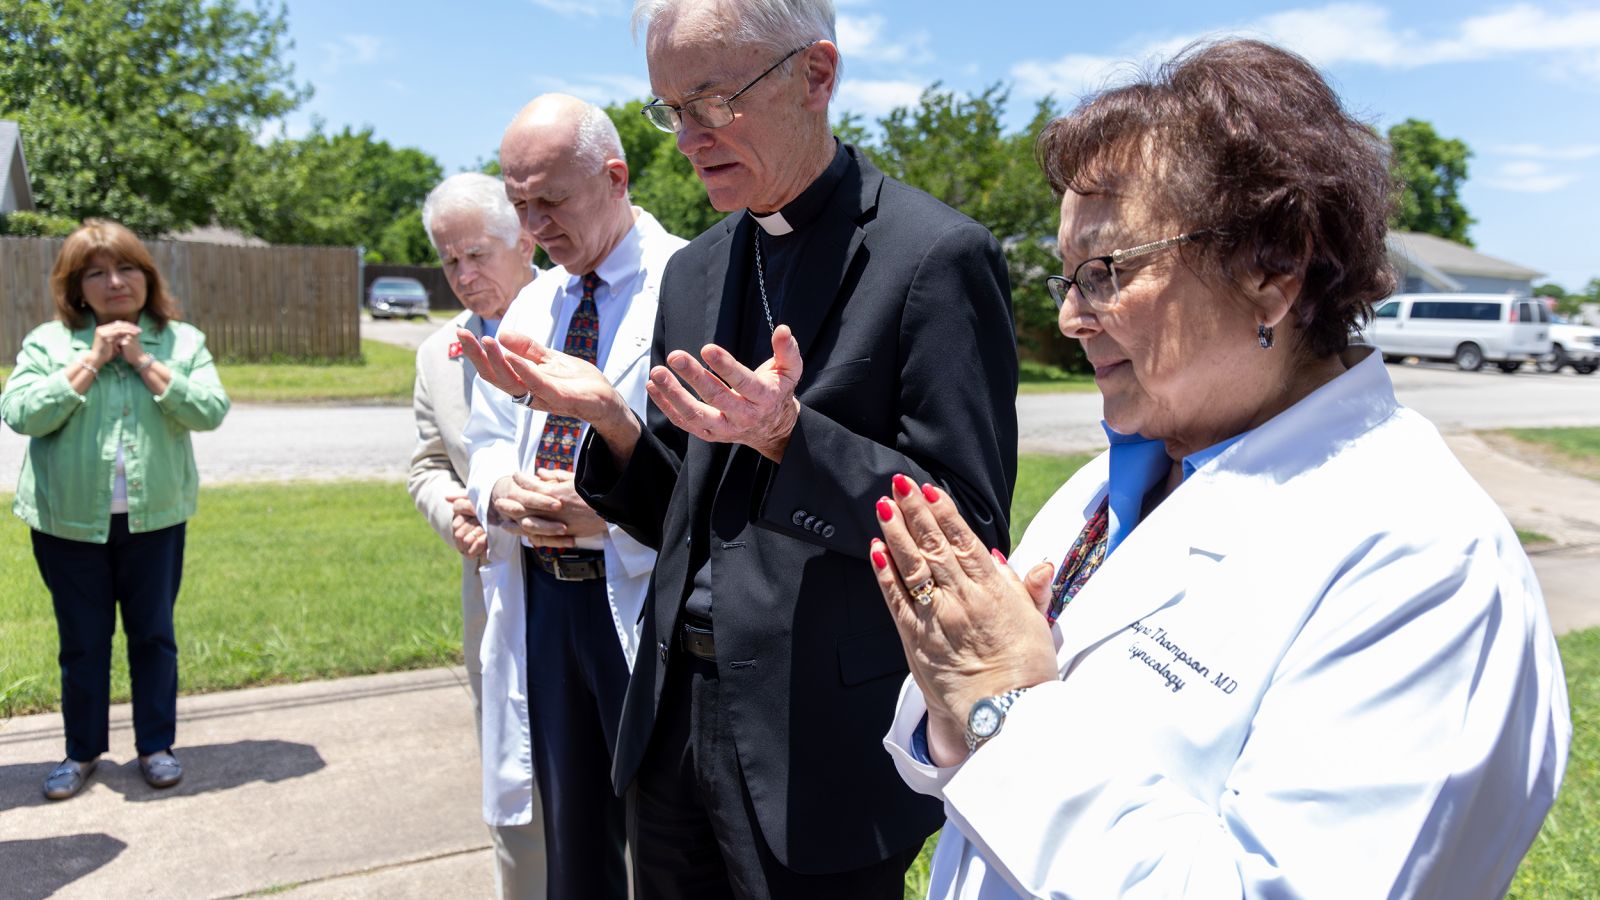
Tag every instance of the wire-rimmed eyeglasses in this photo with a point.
(712, 111)
(1096, 278)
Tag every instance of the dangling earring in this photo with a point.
(1264, 336)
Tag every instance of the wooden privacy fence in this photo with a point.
(253, 303)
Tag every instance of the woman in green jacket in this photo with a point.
(108, 394)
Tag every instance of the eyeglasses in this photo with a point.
(710, 111)
(1096, 278)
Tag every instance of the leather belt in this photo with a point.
(698, 642)
(574, 566)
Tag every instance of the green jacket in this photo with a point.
(70, 468)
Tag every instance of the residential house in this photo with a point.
(1432, 265)
(15, 193)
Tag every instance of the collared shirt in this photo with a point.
(620, 275)
(1137, 465)
(66, 484)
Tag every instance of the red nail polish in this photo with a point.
(879, 559)
(930, 493)
(999, 557)
(902, 485)
(885, 510)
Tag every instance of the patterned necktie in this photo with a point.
(558, 445)
(1082, 561)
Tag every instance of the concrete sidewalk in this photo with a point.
(360, 787)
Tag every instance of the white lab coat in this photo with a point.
(1322, 667)
(502, 438)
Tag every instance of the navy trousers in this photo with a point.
(577, 677)
(87, 583)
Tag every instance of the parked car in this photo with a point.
(1469, 329)
(392, 296)
(1572, 345)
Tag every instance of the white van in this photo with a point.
(1470, 329)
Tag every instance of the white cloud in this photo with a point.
(1529, 177)
(1540, 151)
(351, 49)
(873, 99)
(597, 89)
(862, 37)
(1358, 34)
(590, 9)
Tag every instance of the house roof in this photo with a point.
(216, 234)
(1437, 259)
(15, 192)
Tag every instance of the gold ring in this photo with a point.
(922, 592)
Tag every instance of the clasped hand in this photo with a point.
(982, 630)
(545, 508)
(117, 339)
(465, 530)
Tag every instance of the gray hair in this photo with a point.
(778, 25)
(478, 193)
(596, 140)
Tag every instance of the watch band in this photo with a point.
(1000, 704)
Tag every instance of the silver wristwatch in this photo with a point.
(987, 716)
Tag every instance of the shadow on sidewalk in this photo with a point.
(206, 768)
(40, 867)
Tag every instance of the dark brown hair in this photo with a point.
(105, 236)
(1248, 142)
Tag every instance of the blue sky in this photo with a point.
(1519, 82)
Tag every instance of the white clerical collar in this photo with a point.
(773, 223)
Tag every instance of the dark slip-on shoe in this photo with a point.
(67, 779)
(161, 770)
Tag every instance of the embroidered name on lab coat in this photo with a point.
(1174, 664)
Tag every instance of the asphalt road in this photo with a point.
(320, 443)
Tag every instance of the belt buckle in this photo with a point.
(565, 569)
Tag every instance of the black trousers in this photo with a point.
(577, 677)
(88, 582)
(692, 823)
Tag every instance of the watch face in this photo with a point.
(985, 718)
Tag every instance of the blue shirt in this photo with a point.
(1138, 464)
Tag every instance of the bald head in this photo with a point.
(563, 124)
(564, 173)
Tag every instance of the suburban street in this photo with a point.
(322, 442)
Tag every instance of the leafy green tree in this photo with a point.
(25, 223)
(1430, 170)
(139, 110)
(335, 189)
(405, 242)
(955, 148)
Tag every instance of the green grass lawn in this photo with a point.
(383, 375)
(1563, 861)
(1578, 448)
(281, 583)
(1043, 378)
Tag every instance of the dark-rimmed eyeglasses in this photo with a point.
(1096, 278)
(711, 111)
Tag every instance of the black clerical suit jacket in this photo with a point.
(901, 306)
